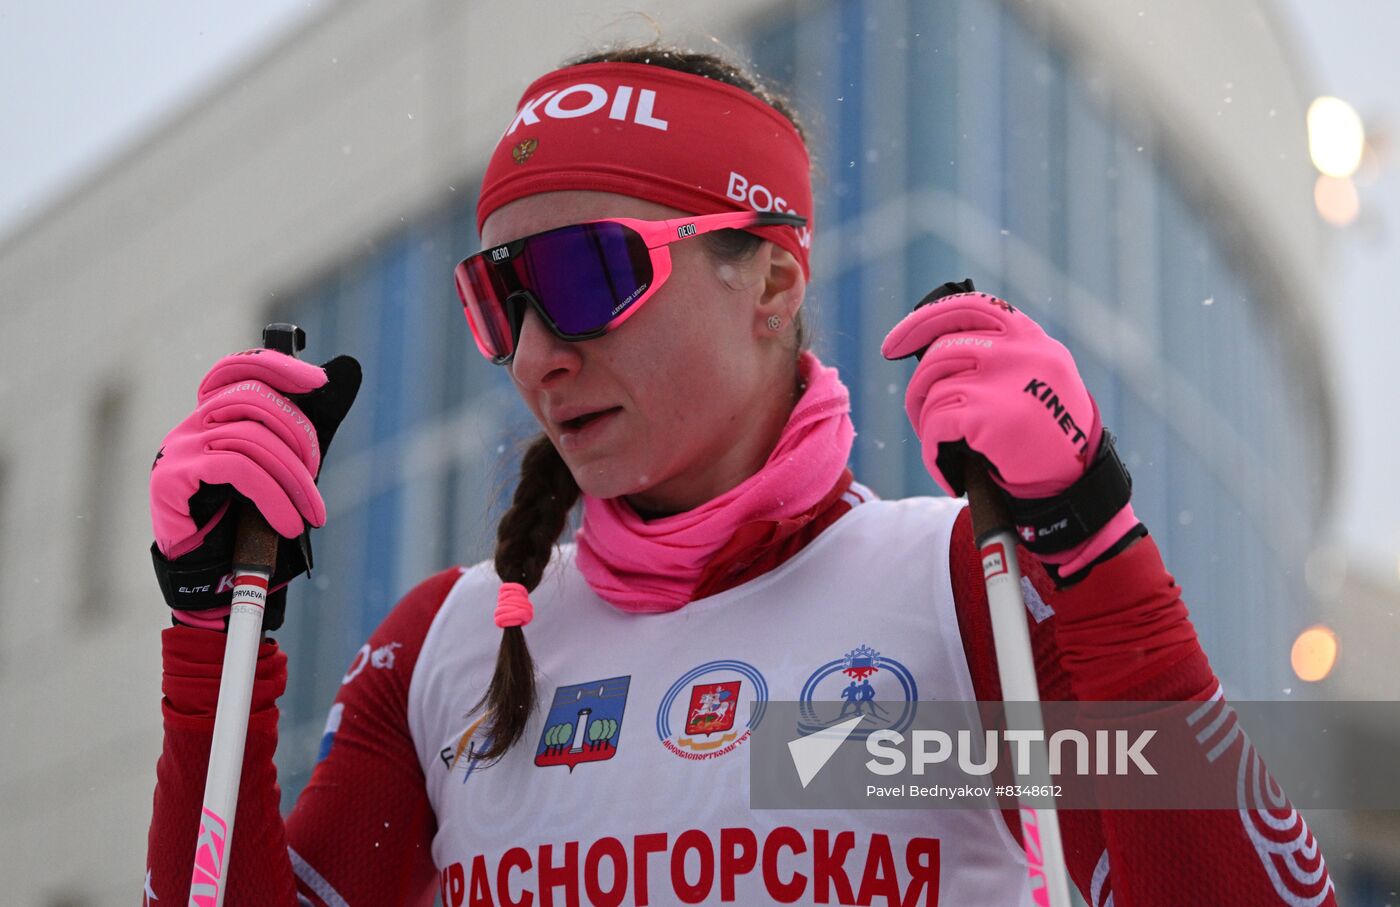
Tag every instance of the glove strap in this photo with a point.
(203, 579)
(1070, 518)
(193, 587)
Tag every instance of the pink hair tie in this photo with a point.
(513, 608)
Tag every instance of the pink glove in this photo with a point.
(992, 379)
(244, 433)
(263, 423)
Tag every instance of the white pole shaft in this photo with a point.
(209, 882)
(1021, 693)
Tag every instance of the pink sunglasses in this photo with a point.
(583, 279)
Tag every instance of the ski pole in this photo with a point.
(1020, 693)
(996, 544)
(254, 559)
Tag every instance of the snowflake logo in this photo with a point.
(861, 662)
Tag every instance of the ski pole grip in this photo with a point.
(255, 544)
(988, 502)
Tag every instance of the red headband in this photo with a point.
(652, 133)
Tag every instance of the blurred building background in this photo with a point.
(1155, 215)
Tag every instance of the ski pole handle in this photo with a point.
(996, 542)
(989, 511)
(254, 559)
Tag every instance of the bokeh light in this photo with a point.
(1336, 137)
(1314, 653)
(1336, 199)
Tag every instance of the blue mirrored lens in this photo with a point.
(586, 275)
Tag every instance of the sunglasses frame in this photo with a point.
(656, 235)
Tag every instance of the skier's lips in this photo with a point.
(572, 418)
(583, 427)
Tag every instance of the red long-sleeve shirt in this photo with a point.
(361, 831)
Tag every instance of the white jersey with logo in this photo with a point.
(630, 785)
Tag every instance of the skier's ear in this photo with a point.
(784, 288)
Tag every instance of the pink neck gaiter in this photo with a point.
(654, 566)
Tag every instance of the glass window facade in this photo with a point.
(949, 141)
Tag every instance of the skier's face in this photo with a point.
(694, 383)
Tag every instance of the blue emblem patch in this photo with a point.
(861, 682)
(584, 723)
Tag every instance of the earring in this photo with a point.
(774, 323)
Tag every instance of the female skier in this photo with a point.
(567, 723)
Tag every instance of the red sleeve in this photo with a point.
(259, 871)
(360, 832)
(1080, 829)
(1123, 633)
